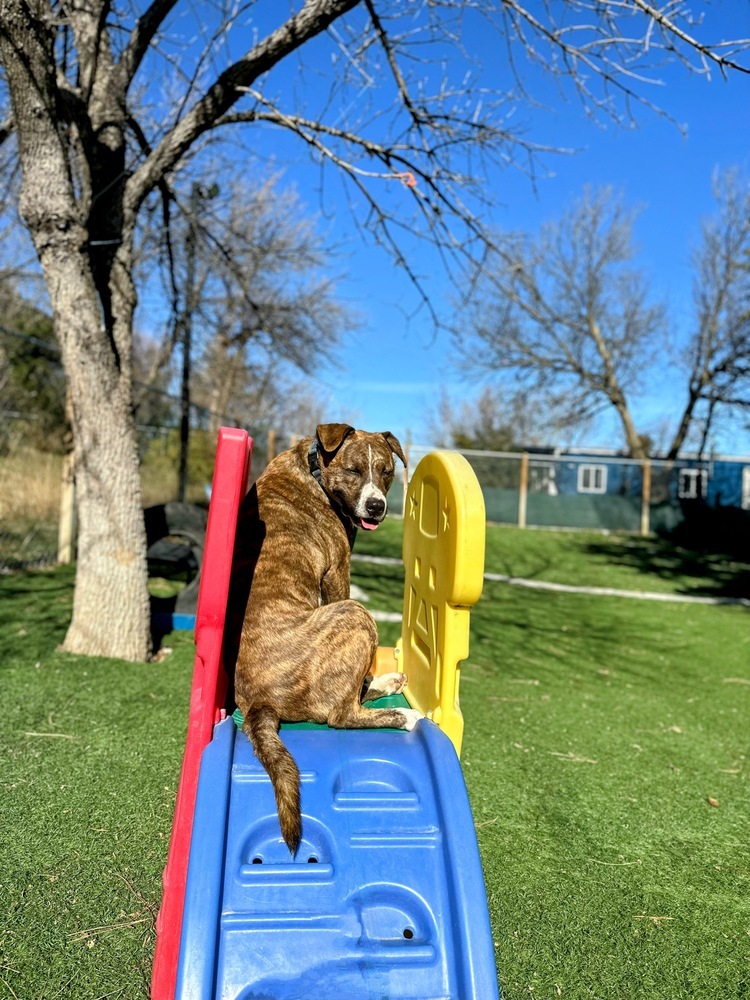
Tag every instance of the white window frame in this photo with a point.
(745, 502)
(690, 476)
(542, 477)
(587, 474)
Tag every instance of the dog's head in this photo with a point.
(356, 470)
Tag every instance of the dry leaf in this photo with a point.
(712, 802)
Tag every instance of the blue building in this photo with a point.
(595, 487)
(603, 488)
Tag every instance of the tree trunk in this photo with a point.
(614, 392)
(111, 604)
(94, 326)
(632, 437)
(681, 433)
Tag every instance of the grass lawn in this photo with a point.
(605, 755)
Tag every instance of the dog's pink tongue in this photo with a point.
(369, 525)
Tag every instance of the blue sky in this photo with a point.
(394, 366)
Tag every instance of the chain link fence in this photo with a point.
(584, 489)
(605, 493)
(37, 507)
(703, 502)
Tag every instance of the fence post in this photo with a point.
(66, 532)
(271, 447)
(407, 466)
(646, 499)
(523, 489)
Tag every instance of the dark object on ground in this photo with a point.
(176, 535)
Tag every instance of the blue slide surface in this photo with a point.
(384, 899)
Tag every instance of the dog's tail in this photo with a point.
(261, 726)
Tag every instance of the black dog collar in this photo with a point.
(314, 466)
(313, 463)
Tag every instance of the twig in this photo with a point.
(6, 983)
(59, 736)
(104, 928)
(138, 895)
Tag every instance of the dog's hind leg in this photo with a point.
(358, 717)
(349, 636)
(384, 684)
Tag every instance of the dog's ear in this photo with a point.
(332, 436)
(395, 445)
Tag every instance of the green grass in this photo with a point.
(597, 729)
(616, 560)
(623, 561)
(27, 541)
(90, 752)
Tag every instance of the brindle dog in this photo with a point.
(306, 648)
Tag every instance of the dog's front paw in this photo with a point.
(411, 718)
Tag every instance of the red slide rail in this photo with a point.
(208, 692)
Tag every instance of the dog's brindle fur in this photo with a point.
(306, 648)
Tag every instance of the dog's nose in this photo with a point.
(375, 507)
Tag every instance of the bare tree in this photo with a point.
(718, 356)
(78, 82)
(569, 316)
(266, 302)
(492, 421)
(247, 271)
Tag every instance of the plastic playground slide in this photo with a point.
(385, 897)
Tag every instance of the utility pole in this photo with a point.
(198, 193)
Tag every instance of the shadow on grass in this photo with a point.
(542, 635)
(692, 571)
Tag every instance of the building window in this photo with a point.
(692, 485)
(592, 478)
(542, 478)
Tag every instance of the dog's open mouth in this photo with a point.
(368, 523)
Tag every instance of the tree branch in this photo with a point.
(7, 128)
(706, 52)
(314, 17)
(140, 39)
(401, 86)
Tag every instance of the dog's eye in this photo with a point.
(353, 472)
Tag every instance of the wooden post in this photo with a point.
(271, 446)
(646, 499)
(66, 533)
(523, 489)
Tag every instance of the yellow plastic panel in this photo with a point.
(443, 551)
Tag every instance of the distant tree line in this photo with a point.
(566, 325)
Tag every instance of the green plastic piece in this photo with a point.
(389, 701)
